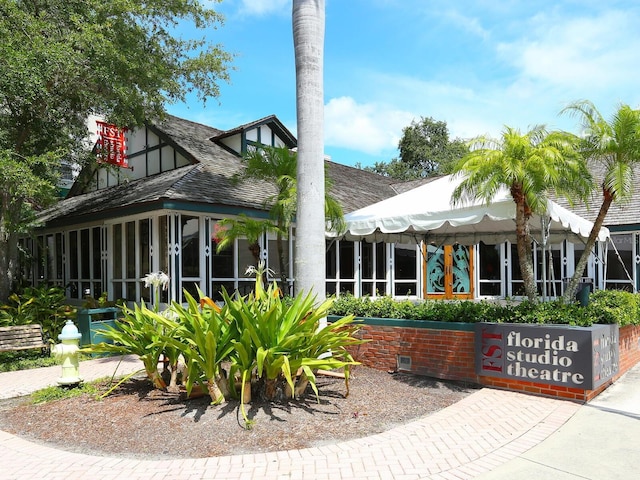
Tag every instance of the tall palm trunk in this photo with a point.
(308, 18)
(572, 288)
(523, 245)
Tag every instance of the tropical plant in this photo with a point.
(531, 166)
(612, 148)
(229, 229)
(45, 305)
(308, 18)
(283, 343)
(204, 336)
(278, 166)
(143, 332)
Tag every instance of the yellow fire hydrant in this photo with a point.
(67, 351)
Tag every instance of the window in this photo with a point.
(405, 270)
(340, 267)
(490, 271)
(620, 264)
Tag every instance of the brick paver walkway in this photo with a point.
(475, 435)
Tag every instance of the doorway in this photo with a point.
(448, 272)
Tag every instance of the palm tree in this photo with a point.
(278, 165)
(531, 166)
(228, 229)
(614, 148)
(308, 17)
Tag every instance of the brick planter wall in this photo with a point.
(446, 350)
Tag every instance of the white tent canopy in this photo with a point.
(427, 213)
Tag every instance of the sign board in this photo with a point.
(111, 145)
(576, 357)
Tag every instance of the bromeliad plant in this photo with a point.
(143, 332)
(273, 346)
(284, 344)
(204, 335)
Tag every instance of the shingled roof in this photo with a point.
(208, 182)
(619, 214)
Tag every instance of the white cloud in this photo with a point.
(589, 52)
(264, 7)
(370, 128)
(466, 23)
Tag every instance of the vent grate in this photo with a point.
(404, 362)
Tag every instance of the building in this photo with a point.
(160, 212)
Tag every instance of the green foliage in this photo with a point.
(143, 332)
(425, 150)
(531, 166)
(24, 360)
(271, 342)
(43, 305)
(62, 62)
(605, 306)
(53, 393)
(615, 306)
(204, 335)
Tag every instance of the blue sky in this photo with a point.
(478, 65)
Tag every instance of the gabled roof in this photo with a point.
(619, 215)
(207, 183)
(272, 121)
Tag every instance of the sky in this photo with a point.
(478, 65)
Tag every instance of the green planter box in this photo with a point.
(90, 320)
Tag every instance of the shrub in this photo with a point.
(605, 306)
(44, 304)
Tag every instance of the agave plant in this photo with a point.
(280, 340)
(205, 337)
(143, 332)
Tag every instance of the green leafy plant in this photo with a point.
(204, 335)
(605, 306)
(44, 304)
(50, 394)
(143, 332)
(284, 343)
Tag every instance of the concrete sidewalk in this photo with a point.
(489, 434)
(601, 441)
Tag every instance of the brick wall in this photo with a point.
(446, 350)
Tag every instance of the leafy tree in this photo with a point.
(308, 19)
(614, 148)
(64, 60)
(531, 165)
(425, 150)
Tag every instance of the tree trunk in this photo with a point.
(571, 290)
(8, 251)
(308, 40)
(523, 243)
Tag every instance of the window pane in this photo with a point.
(190, 246)
(85, 258)
(145, 241)
(245, 257)
(381, 261)
(163, 246)
(367, 264)
(73, 254)
(97, 254)
(405, 262)
(117, 253)
(331, 265)
(347, 253)
(131, 250)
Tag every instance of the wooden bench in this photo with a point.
(22, 337)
